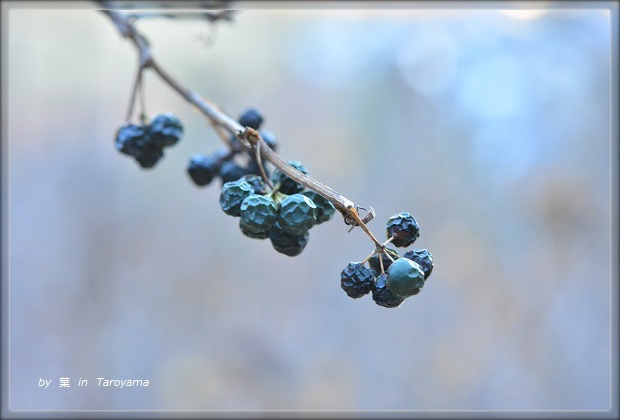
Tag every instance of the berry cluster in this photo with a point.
(225, 164)
(390, 277)
(275, 206)
(146, 142)
(284, 213)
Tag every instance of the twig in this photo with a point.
(261, 168)
(134, 92)
(219, 118)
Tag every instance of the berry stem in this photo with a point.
(134, 91)
(368, 257)
(389, 240)
(143, 116)
(248, 136)
(259, 161)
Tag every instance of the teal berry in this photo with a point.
(405, 277)
(324, 208)
(251, 234)
(375, 265)
(288, 243)
(403, 228)
(288, 185)
(384, 296)
(258, 213)
(423, 258)
(232, 195)
(297, 214)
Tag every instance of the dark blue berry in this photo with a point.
(251, 118)
(253, 167)
(256, 181)
(222, 155)
(165, 130)
(258, 213)
(356, 280)
(375, 265)
(405, 278)
(234, 140)
(149, 155)
(229, 171)
(134, 140)
(287, 243)
(270, 139)
(324, 208)
(202, 169)
(232, 195)
(297, 214)
(384, 296)
(423, 258)
(130, 139)
(288, 185)
(404, 228)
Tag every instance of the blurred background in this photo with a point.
(492, 128)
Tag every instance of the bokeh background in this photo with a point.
(491, 127)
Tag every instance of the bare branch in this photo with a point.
(220, 120)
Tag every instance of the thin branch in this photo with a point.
(222, 134)
(208, 16)
(219, 118)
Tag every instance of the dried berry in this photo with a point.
(232, 195)
(324, 208)
(375, 265)
(229, 171)
(149, 155)
(165, 130)
(423, 258)
(287, 184)
(135, 141)
(202, 169)
(297, 214)
(250, 234)
(130, 139)
(384, 296)
(356, 280)
(288, 243)
(256, 181)
(251, 118)
(258, 213)
(404, 228)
